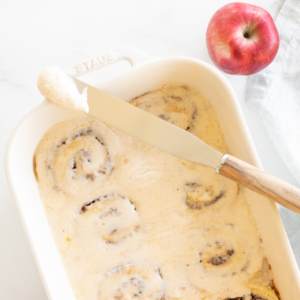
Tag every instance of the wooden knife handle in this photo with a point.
(261, 182)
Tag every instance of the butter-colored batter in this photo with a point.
(134, 222)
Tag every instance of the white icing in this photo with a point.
(132, 282)
(113, 217)
(58, 87)
(177, 230)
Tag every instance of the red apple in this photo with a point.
(242, 38)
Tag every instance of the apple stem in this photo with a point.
(246, 35)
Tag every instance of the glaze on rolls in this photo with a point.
(113, 217)
(79, 159)
(133, 222)
(256, 292)
(213, 191)
(186, 108)
(199, 196)
(142, 281)
(175, 108)
(225, 254)
(262, 293)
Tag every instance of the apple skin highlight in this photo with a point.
(242, 38)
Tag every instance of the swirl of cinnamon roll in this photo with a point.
(225, 252)
(223, 256)
(213, 192)
(113, 217)
(175, 108)
(83, 157)
(132, 282)
(199, 196)
(257, 292)
(262, 293)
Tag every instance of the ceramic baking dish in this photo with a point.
(146, 74)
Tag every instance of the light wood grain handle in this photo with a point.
(261, 182)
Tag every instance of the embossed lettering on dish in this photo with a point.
(95, 62)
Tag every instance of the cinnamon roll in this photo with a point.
(199, 196)
(132, 282)
(225, 254)
(257, 292)
(175, 107)
(113, 217)
(82, 158)
(186, 108)
(262, 293)
(214, 192)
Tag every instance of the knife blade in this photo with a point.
(148, 128)
(178, 142)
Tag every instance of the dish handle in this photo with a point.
(134, 56)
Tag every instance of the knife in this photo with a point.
(178, 142)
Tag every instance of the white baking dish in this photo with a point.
(146, 74)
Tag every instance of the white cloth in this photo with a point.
(275, 91)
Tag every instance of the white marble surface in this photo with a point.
(35, 34)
